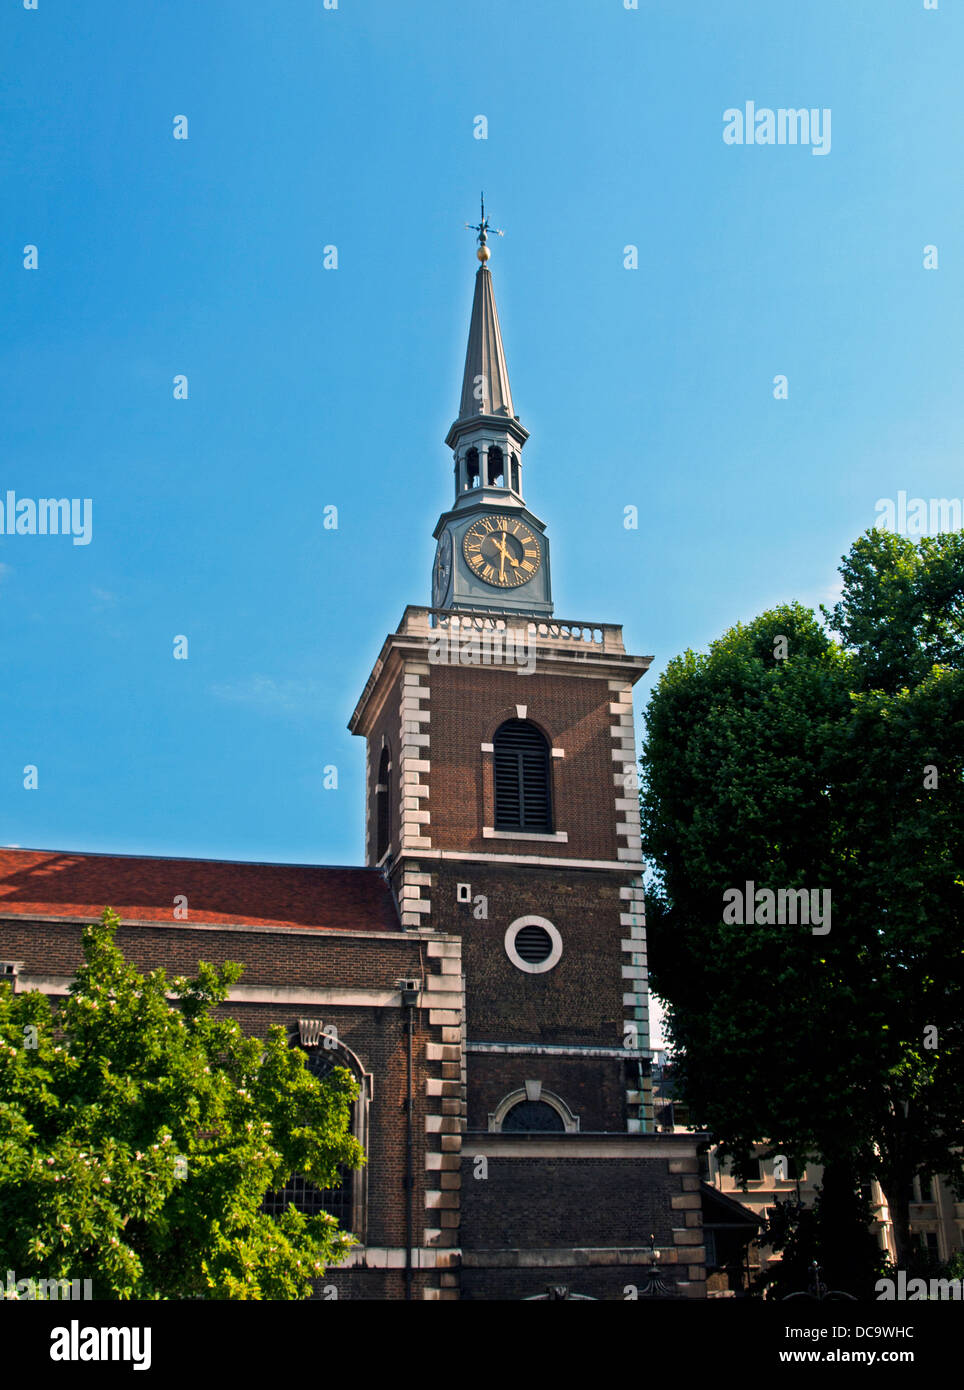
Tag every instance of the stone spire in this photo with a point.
(493, 553)
(485, 381)
(486, 415)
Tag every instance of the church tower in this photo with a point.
(502, 805)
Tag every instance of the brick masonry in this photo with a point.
(576, 1034)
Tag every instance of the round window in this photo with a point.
(533, 945)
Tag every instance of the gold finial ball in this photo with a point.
(483, 254)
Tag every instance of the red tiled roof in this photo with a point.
(58, 884)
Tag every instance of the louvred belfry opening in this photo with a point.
(382, 805)
(522, 792)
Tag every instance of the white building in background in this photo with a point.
(936, 1218)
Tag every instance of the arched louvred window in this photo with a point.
(515, 473)
(472, 468)
(522, 792)
(383, 804)
(496, 467)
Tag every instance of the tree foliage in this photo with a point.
(833, 1233)
(840, 768)
(103, 1099)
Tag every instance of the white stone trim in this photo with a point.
(635, 975)
(530, 967)
(558, 752)
(445, 1018)
(555, 1050)
(543, 861)
(559, 837)
(393, 1257)
(290, 995)
(555, 1258)
(524, 1146)
(445, 1119)
(412, 741)
(414, 897)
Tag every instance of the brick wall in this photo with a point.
(302, 958)
(468, 704)
(528, 1202)
(533, 1220)
(593, 1088)
(580, 999)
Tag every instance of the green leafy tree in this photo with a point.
(833, 1233)
(138, 1138)
(792, 760)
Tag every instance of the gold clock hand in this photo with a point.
(502, 548)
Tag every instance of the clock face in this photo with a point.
(501, 550)
(443, 569)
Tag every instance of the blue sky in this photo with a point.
(311, 387)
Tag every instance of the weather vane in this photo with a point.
(483, 228)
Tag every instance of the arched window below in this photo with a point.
(515, 472)
(521, 764)
(472, 469)
(346, 1202)
(533, 1110)
(496, 467)
(533, 1116)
